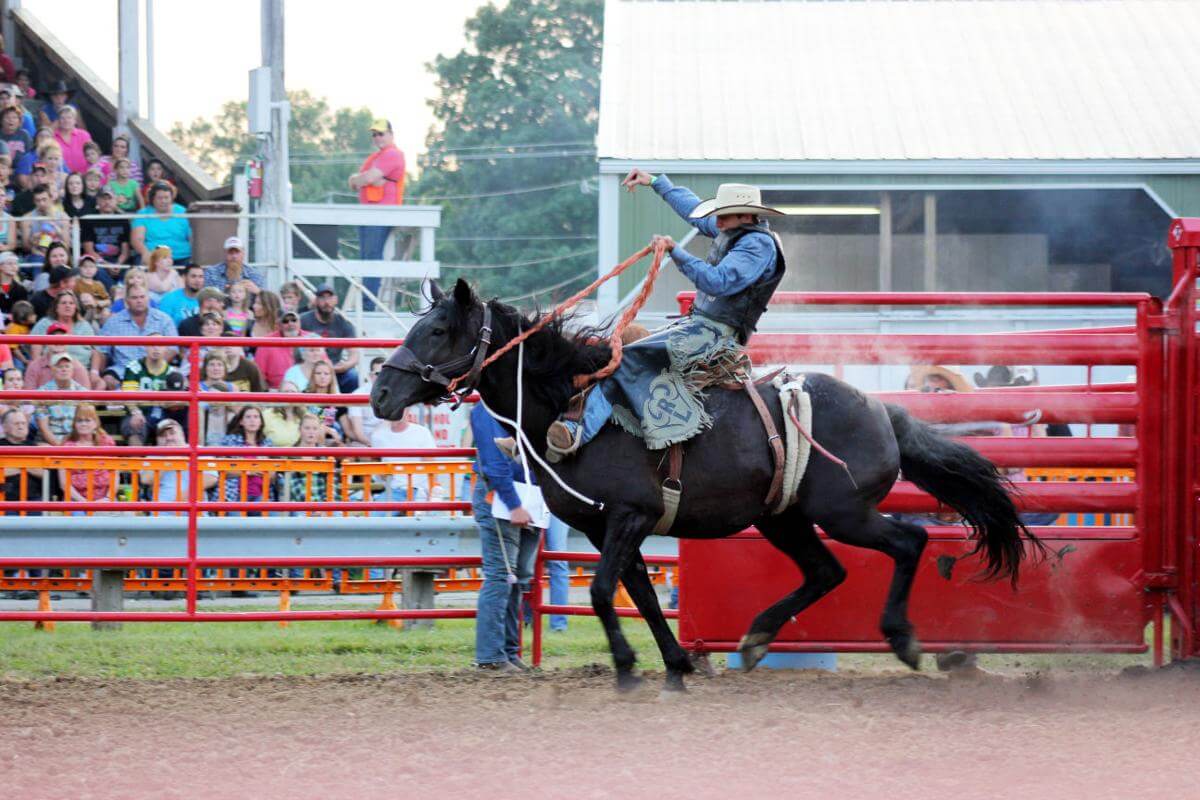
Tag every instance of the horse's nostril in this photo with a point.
(381, 393)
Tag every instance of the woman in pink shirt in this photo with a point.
(71, 139)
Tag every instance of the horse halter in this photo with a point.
(406, 360)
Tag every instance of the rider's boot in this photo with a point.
(562, 439)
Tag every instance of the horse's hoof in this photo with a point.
(752, 648)
(674, 684)
(907, 648)
(628, 682)
(702, 664)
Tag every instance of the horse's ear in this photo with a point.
(435, 291)
(463, 294)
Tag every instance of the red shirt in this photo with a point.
(273, 362)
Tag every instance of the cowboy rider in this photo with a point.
(648, 393)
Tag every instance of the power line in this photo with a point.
(502, 193)
(588, 251)
(515, 238)
(559, 285)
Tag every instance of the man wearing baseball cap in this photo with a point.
(211, 301)
(325, 321)
(233, 269)
(380, 181)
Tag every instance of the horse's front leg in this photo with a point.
(625, 530)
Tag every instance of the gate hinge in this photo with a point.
(1158, 581)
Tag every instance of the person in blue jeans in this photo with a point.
(508, 547)
(558, 572)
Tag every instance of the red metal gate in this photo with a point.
(1102, 585)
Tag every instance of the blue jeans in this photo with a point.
(348, 380)
(497, 621)
(558, 572)
(371, 239)
(596, 412)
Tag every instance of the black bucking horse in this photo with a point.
(726, 473)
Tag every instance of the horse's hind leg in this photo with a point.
(903, 542)
(794, 535)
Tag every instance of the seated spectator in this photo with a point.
(306, 486)
(24, 82)
(126, 188)
(265, 308)
(214, 417)
(12, 291)
(58, 95)
(134, 276)
(322, 382)
(43, 226)
(291, 298)
(242, 373)
(325, 321)
(92, 155)
(18, 434)
(237, 307)
(93, 181)
(161, 222)
(94, 302)
(136, 319)
(274, 362)
(106, 240)
(50, 154)
(212, 304)
(22, 319)
(6, 358)
(67, 313)
(54, 279)
(281, 423)
(120, 149)
(54, 418)
(71, 139)
(361, 420)
(403, 433)
(161, 276)
(91, 278)
(40, 370)
(75, 202)
(8, 70)
(8, 194)
(233, 269)
(14, 380)
(86, 485)
(300, 375)
(171, 486)
(153, 373)
(156, 172)
(24, 184)
(245, 430)
(15, 98)
(184, 302)
(18, 141)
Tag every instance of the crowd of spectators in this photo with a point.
(137, 279)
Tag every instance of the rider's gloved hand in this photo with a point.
(637, 177)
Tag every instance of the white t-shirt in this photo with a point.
(414, 436)
(365, 414)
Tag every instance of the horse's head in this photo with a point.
(448, 341)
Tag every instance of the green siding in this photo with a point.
(641, 214)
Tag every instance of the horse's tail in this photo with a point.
(970, 484)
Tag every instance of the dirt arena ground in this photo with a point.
(568, 735)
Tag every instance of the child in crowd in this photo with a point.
(93, 180)
(87, 485)
(9, 192)
(237, 308)
(91, 154)
(129, 194)
(14, 381)
(23, 318)
(291, 298)
(155, 173)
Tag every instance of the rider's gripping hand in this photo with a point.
(637, 177)
(520, 517)
(667, 242)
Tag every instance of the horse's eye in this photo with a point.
(439, 331)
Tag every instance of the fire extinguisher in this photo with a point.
(254, 174)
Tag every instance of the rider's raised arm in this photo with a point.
(752, 255)
(682, 201)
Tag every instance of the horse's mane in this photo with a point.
(553, 356)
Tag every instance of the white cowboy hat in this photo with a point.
(735, 198)
(918, 373)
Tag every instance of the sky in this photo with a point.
(353, 52)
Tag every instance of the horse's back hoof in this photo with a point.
(628, 682)
(908, 649)
(752, 649)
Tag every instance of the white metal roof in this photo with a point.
(900, 80)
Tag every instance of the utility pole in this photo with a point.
(129, 103)
(277, 192)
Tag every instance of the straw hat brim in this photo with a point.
(956, 379)
(708, 207)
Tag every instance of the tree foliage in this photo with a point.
(517, 109)
(325, 145)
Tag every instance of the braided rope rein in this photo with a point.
(627, 316)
